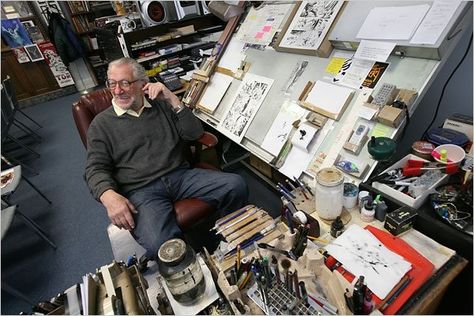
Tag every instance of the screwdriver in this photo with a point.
(416, 171)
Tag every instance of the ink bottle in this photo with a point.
(337, 227)
(368, 212)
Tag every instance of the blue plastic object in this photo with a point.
(440, 136)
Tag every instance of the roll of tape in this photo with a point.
(301, 217)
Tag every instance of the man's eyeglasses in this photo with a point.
(123, 84)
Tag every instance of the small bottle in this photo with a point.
(337, 227)
(381, 211)
(368, 212)
(368, 303)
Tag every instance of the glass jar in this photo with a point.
(329, 193)
(182, 272)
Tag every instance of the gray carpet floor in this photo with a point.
(74, 220)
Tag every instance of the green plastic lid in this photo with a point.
(381, 148)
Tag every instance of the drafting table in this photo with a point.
(405, 72)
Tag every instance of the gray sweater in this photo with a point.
(126, 152)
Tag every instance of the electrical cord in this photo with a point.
(445, 85)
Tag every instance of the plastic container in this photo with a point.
(455, 154)
(182, 273)
(329, 193)
(422, 149)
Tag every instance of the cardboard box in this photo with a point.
(391, 116)
(402, 197)
(400, 220)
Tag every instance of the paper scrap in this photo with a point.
(282, 125)
(374, 75)
(267, 28)
(392, 23)
(381, 130)
(335, 65)
(353, 73)
(435, 22)
(366, 112)
(374, 50)
(361, 253)
(304, 135)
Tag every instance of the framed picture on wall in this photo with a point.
(34, 52)
(307, 26)
(14, 33)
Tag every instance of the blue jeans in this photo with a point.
(155, 221)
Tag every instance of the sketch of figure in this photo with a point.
(249, 97)
(310, 24)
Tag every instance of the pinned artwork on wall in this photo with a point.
(33, 52)
(55, 63)
(249, 97)
(33, 31)
(21, 55)
(306, 28)
(14, 33)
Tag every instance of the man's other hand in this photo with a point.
(119, 209)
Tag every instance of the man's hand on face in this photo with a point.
(119, 209)
(159, 90)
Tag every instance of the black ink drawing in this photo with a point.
(310, 24)
(295, 75)
(249, 98)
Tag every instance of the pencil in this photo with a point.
(238, 257)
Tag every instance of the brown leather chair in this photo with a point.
(189, 211)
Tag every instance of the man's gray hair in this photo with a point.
(138, 70)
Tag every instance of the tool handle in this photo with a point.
(415, 163)
(411, 171)
(452, 168)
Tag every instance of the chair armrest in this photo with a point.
(208, 139)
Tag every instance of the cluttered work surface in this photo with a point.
(267, 266)
(282, 92)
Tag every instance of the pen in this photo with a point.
(282, 187)
(289, 198)
(290, 221)
(237, 221)
(228, 219)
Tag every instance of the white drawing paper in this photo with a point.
(215, 90)
(392, 23)
(435, 22)
(233, 55)
(361, 253)
(374, 50)
(329, 97)
(311, 24)
(281, 127)
(248, 99)
(304, 135)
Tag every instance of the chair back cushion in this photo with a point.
(87, 108)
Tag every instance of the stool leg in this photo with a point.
(14, 292)
(36, 189)
(36, 228)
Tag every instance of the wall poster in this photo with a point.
(60, 72)
(249, 97)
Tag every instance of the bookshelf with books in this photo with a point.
(82, 16)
